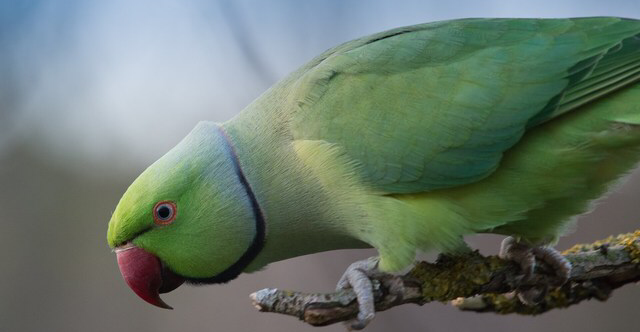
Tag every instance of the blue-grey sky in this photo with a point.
(90, 79)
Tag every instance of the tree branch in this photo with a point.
(476, 283)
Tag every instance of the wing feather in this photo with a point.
(436, 105)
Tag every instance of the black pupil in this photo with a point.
(164, 212)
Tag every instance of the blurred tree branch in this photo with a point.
(242, 36)
(473, 282)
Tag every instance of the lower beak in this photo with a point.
(146, 275)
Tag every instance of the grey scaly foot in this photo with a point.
(560, 265)
(358, 277)
(525, 256)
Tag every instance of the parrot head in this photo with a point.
(190, 216)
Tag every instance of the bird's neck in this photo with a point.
(298, 212)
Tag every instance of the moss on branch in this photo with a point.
(474, 282)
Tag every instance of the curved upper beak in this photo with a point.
(145, 274)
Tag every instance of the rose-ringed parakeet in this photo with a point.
(404, 141)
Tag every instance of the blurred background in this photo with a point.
(91, 92)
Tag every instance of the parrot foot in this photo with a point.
(358, 277)
(525, 256)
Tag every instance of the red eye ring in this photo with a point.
(164, 212)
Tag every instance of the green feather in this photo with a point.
(430, 118)
(406, 141)
(462, 106)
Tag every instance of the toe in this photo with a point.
(358, 277)
(526, 256)
(361, 322)
(395, 286)
(560, 265)
(519, 253)
(532, 296)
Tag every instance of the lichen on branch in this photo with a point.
(478, 283)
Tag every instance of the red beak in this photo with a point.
(146, 275)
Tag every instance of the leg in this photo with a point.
(358, 277)
(525, 256)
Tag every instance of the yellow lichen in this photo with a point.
(628, 240)
(631, 244)
(450, 278)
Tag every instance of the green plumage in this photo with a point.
(441, 116)
(409, 139)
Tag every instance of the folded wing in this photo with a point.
(436, 105)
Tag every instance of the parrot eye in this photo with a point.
(164, 212)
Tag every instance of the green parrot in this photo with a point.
(404, 141)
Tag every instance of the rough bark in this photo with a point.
(474, 282)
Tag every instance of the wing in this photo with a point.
(436, 105)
